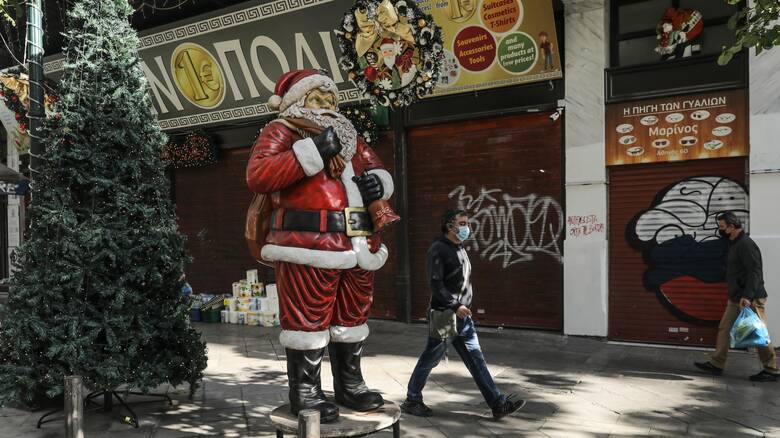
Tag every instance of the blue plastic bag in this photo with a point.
(748, 330)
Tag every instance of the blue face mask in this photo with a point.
(464, 232)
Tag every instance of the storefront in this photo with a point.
(506, 173)
(485, 143)
(575, 215)
(683, 139)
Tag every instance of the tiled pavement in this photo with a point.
(575, 387)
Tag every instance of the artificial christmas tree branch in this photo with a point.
(96, 289)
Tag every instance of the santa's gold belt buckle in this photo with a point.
(349, 222)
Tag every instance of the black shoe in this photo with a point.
(508, 406)
(418, 409)
(348, 384)
(303, 371)
(708, 367)
(765, 376)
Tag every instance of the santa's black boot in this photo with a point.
(303, 371)
(351, 390)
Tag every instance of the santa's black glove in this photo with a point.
(327, 143)
(370, 187)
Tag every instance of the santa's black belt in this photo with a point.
(351, 221)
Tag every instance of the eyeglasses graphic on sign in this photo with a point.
(635, 151)
(721, 131)
(688, 141)
(713, 145)
(660, 143)
(725, 118)
(649, 120)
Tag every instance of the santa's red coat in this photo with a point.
(289, 168)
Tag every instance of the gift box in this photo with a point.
(244, 304)
(251, 276)
(257, 290)
(253, 318)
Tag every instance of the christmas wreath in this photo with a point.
(195, 150)
(392, 50)
(13, 92)
(13, 103)
(362, 118)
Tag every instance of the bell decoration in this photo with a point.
(382, 215)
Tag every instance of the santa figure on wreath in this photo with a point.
(320, 176)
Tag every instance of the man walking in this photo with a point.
(746, 288)
(449, 272)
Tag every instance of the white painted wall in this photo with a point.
(764, 183)
(585, 245)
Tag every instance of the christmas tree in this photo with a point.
(96, 290)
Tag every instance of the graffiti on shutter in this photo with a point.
(510, 228)
(678, 236)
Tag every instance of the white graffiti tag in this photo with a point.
(511, 228)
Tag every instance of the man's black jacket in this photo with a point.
(744, 270)
(449, 272)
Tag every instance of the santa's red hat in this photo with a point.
(295, 84)
(386, 42)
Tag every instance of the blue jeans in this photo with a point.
(467, 346)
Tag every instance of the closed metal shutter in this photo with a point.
(507, 173)
(666, 266)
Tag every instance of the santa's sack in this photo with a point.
(749, 330)
(258, 224)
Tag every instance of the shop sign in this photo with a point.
(693, 127)
(495, 43)
(221, 67)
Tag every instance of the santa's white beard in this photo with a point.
(325, 118)
(389, 61)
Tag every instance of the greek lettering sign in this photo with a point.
(494, 43)
(693, 127)
(221, 67)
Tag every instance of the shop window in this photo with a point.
(633, 29)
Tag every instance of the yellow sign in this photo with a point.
(494, 43)
(198, 75)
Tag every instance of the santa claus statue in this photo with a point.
(320, 176)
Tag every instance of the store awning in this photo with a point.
(9, 175)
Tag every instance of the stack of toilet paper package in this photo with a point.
(252, 303)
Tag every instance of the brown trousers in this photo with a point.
(765, 354)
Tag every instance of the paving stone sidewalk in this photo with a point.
(575, 387)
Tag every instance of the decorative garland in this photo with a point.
(16, 104)
(362, 118)
(195, 150)
(392, 50)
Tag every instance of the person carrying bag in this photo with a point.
(449, 319)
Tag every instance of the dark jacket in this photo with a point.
(744, 269)
(449, 272)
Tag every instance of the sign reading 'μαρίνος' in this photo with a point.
(222, 67)
(692, 127)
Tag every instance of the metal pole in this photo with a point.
(36, 112)
(74, 407)
(309, 423)
(403, 287)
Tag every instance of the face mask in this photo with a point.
(464, 232)
(723, 233)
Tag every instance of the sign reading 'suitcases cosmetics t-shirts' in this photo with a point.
(693, 127)
(494, 43)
